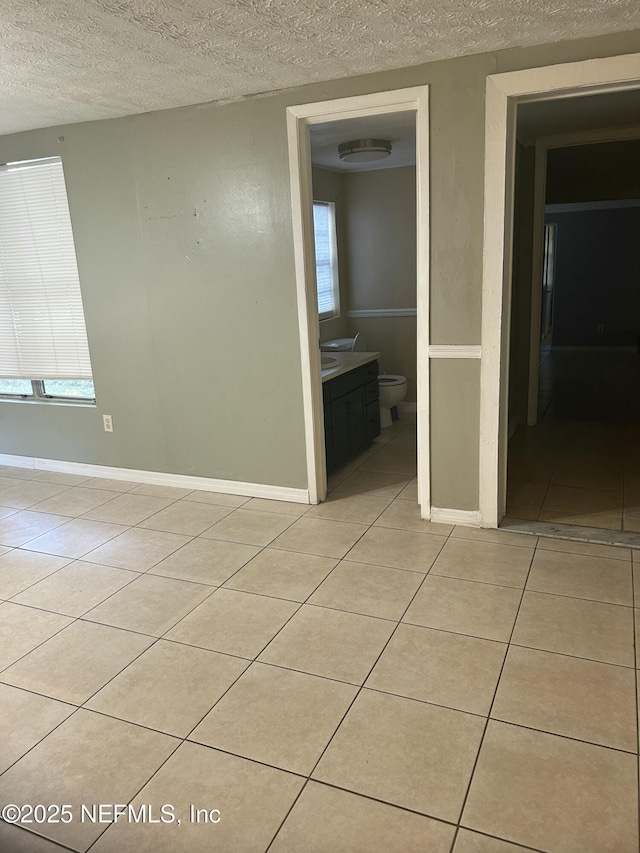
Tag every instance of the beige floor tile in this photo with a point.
(186, 517)
(218, 498)
(74, 502)
(405, 515)
(19, 569)
(410, 491)
(8, 482)
(385, 461)
(330, 643)
(75, 663)
(358, 509)
(109, 485)
(589, 476)
(636, 583)
(373, 484)
(62, 478)
(75, 588)
(277, 717)
(474, 842)
(323, 538)
(169, 688)
(587, 549)
(282, 507)
(404, 752)
(6, 511)
(572, 626)
(630, 523)
(252, 799)
(487, 562)
(606, 522)
(128, 509)
(526, 493)
(150, 604)
(14, 839)
(172, 493)
(326, 819)
(369, 590)
(595, 578)
(436, 666)
(478, 609)
(205, 561)
(569, 696)
(499, 537)
(249, 527)
(24, 628)
(235, 623)
(137, 549)
(553, 793)
(88, 759)
(26, 718)
(400, 549)
(21, 473)
(282, 574)
(20, 527)
(75, 538)
(29, 493)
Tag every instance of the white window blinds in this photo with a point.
(42, 328)
(324, 224)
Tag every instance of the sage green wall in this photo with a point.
(381, 263)
(183, 229)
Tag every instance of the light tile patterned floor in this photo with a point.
(336, 679)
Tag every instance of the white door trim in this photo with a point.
(299, 120)
(503, 92)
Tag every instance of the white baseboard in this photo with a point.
(466, 517)
(159, 478)
(408, 407)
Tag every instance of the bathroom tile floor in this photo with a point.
(343, 678)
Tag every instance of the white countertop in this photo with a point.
(347, 361)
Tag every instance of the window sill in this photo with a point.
(54, 401)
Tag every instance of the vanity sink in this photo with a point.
(327, 361)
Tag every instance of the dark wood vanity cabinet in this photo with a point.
(351, 413)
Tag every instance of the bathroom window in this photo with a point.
(324, 225)
(44, 354)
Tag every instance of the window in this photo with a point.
(44, 353)
(324, 226)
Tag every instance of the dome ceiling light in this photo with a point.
(364, 150)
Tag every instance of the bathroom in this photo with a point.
(365, 201)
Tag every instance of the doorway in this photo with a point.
(504, 93)
(301, 121)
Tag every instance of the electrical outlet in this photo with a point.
(600, 327)
(108, 423)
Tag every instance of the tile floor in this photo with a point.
(580, 464)
(336, 679)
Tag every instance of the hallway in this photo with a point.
(580, 464)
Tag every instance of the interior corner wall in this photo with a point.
(183, 230)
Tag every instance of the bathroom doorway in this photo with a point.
(369, 311)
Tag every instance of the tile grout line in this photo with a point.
(353, 701)
(488, 718)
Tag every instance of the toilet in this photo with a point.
(393, 389)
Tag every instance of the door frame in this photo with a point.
(300, 118)
(503, 93)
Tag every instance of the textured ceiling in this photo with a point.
(75, 60)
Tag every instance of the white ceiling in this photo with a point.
(398, 128)
(76, 60)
